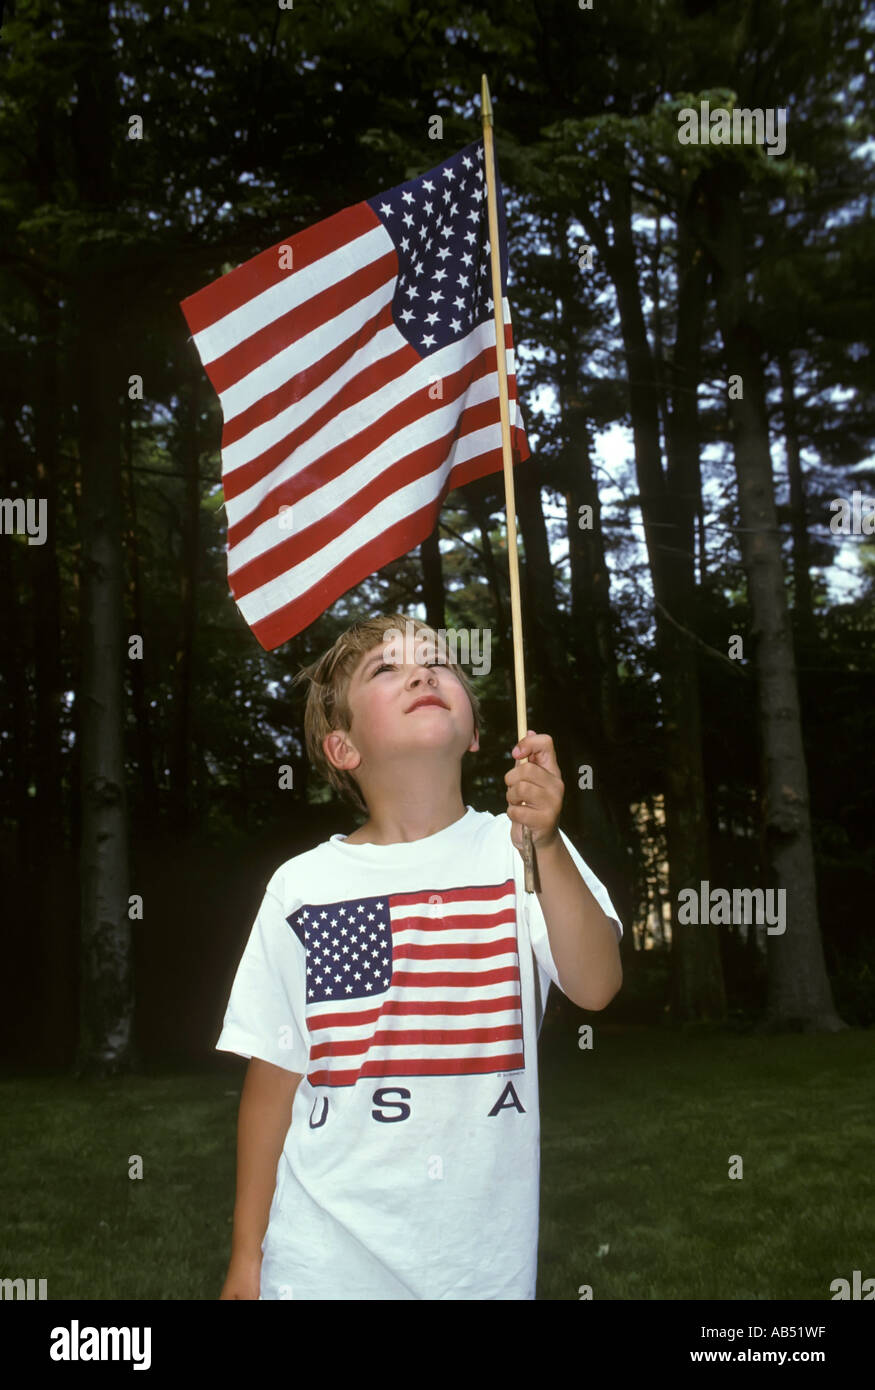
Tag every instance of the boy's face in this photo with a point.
(387, 718)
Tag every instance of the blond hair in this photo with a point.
(327, 706)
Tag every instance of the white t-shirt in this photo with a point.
(399, 981)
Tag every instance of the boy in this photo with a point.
(388, 1136)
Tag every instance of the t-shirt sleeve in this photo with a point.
(535, 917)
(266, 1015)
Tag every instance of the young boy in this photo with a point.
(389, 1128)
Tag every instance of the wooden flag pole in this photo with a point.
(509, 500)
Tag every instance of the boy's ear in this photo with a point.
(340, 751)
(474, 745)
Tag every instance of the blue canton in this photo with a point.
(349, 948)
(440, 228)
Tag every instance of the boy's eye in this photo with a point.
(385, 667)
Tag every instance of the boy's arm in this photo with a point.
(262, 1125)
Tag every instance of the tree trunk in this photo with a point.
(432, 581)
(106, 977)
(474, 498)
(188, 584)
(803, 606)
(17, 803)
(547, 642)
(697, 973)
(799, 990)
(139, 700)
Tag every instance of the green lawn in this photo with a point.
(636, 1141)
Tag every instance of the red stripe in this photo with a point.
(436, 1037)
(275, 402)
(440, 1066)
(284, 622)
(368, 382)
(270, 564)
(438, 923)
(262, 272)
(350, 1019)
(419, 979)
(454, 895)
(275, 337)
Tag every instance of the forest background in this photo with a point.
(693, 327)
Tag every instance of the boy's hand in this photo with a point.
(538, 784)
(243, 1279)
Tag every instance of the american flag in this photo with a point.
(412, 984)
(356, 367)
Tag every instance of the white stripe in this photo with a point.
(262, 437)
(348, 423)
(235, 327)
(441, 364)
(343, 488)
(290, 361)
(300, 578)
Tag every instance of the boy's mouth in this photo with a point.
(427, 700)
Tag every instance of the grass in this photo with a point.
(636, 1142)
(636, 1145)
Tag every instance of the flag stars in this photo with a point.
(466, 161)
(428, 185)
(431, 318)
(428, 340)
(449, 173)
(407, 196)
(407, 219)
(386, 210)
(435, 296)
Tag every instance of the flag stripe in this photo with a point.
(351, 427)
(323, 351)
(278, 617)
(352, 487)
(299, 611)
(252, 287)
(414, 983)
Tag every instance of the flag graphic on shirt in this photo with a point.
(412, 984)
(356, 367)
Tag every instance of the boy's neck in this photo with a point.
(402, 820)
